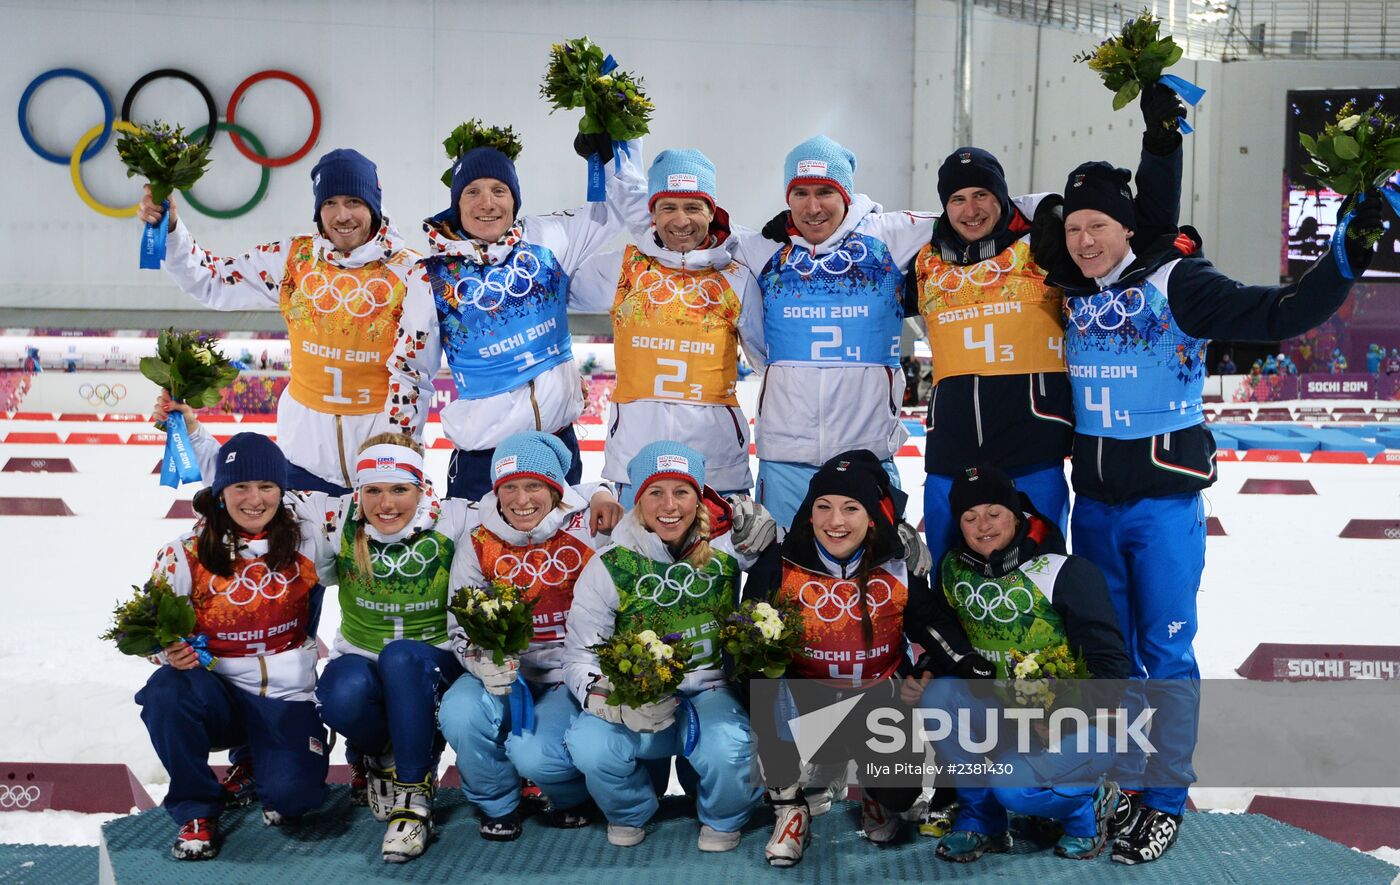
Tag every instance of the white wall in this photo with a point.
(743, 81)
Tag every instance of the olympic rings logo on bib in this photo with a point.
(253, 582)
(359, 299)
(401, 559)
(13, 796)
(1108, 311)
(662, 289)
(102, 394)
(843, 597)
(679, 581)
(836, 264)
(91, 143)
(539, 566)
(1003, 606)
(954, 277)
(514, 279)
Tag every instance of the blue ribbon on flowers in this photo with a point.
(522, 708)
(1189, 92)
(1391, 193)
(153, 241)
(200, 643)
(597, 188)
(178, 466)
(692, 724)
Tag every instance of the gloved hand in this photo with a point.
(917, 558)
(598, 143)
(497, 678)
(1363, 228)
(754, 528)
(650, 718)
(597, 701)
(1048, 243)
(1162, 110)
(974, 666)
(776, 229)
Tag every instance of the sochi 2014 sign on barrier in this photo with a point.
(1315, 385)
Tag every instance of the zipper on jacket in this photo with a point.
(932, 405)
(763, 391)
(889, 379)
(262, 665)
(977, 406)
(738, 430)
(1041, 376)
(534, 404)
(340, 447)
(1099, 459)
(1167, 441)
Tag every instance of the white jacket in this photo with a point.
(809, 412)
(552, 400)
(719, 432)
(320, 442)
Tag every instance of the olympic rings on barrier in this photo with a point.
(76, 170)
(261, 192)
(102, 394)
(45, 77)
(94, 140)
(16, 796)
(315, 117)
(173, 74)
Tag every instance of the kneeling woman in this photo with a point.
(842, 568)
(248, 569)
(671, 569)
(537, 533)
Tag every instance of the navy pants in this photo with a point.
(189, 713)
(392, 702)
(469, 472)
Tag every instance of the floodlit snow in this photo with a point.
(1280, 575)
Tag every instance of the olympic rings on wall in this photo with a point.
(94, 140)
(102, 394)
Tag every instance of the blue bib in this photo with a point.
(840, 308)
(502, 325)
(1135, 373)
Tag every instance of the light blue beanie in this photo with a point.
(819, 159)
(681, 173)
(665, 460)
(542, 456)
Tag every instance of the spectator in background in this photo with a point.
(31, 360)
(1270, 365)
(1286, 366)
(1392, 365)
(1374, 354)
(1339, 361)
(1226, 366)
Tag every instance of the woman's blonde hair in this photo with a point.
(698, 540)
(361, 543)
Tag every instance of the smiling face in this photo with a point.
(252, 505)
(524, 502)
(817, 211)
(987, 528)
(390, 506)
(973, 212)
(682, 223)
(840, 524)
(1095, 241)
(345, 221)
(487, 209)
(668, 508)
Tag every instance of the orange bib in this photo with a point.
(546, 571)
(833, 639)
(342, 324)
(996, 317)
(675, 334)
(255, 611)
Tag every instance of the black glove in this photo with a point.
(776, 229)
(1162, 111)
(599, 143)
(974, 666)
(1048, 244)
(1368, 220)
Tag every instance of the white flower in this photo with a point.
(1349, 123)
(662, 652)
(489, 607)
(648, 637)
(764, 612)
(770, 629)
(1027, 668)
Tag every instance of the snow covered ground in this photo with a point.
(1280, 575)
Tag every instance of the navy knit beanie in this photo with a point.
(346, 173)
(482, 162)
(983, 484)
(972, 167)
(1104, 187)
(249, 457)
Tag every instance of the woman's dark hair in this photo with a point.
(217, 544)
(867, 558)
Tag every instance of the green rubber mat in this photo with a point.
(48, 865)
(339, 845)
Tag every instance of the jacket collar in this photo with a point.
(379, 247)
(860, 206)
(717, 256)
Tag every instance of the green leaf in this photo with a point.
(1308, 142)
(156, 370)
(1123, 96)
(1346, 147)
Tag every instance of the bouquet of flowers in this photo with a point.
(474, 134)
(581, 75)
(1134, 59)
(643, 668)
(190, 367)
(497, 618)
(153, 619)
(761, 638)
(1033, 671)
(161, 154)
(1357, 151)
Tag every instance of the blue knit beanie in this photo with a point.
(249, 457)
(665, 460)
(681, 173)
(482, 162)
(542, 456)
(346, 173)
(820, 160)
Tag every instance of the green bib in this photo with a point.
(999, 614)
(407, 595)
(674, 597)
